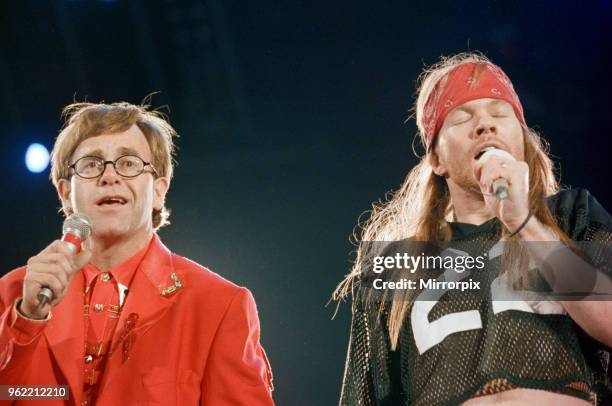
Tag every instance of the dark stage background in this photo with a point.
(291, 117)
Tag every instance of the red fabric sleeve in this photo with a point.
(15, 330)
(237, 371)
(18, 336)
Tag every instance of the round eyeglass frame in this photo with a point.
(104, 163)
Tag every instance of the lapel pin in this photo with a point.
(174, 287)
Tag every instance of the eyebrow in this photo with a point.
(128, 151)
(122, 151)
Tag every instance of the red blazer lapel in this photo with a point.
(65, 336)
(152, 292)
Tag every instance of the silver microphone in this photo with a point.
(75, 230)
(501, 188)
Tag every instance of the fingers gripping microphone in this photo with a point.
(76, 229)
(501, 189)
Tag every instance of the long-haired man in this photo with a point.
(545, 352)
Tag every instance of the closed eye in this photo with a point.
(460, 121)
(459, 118)
(504, 111)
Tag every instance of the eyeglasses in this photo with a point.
(128, 166)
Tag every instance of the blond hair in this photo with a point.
(422, 208)
(86, 120)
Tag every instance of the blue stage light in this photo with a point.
(37, 158)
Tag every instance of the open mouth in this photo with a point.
(109, 201)
(482, 151)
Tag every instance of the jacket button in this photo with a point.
(88, 359)
(99, 307)
(105, 277)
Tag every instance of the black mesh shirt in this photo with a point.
(512, 349)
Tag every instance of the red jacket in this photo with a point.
(196, 339)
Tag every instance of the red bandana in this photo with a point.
(468, 81)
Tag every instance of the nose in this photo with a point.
(485, 125)
(109, 176)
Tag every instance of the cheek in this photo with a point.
(452, 146)
(516, 139)
(79, 193)
(144, 195)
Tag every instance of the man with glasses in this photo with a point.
(128, 322)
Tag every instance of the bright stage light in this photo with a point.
(37, 158)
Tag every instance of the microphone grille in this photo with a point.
(77, 223)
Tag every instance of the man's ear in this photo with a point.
(64, 191)
(438, 167)
(160, 188)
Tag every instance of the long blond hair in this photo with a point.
(421, 208)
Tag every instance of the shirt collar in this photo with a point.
(462, 231)
(123, 272)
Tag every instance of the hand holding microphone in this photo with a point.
(49, 273)
(504, 182)
(501, 188)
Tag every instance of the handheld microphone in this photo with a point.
(75, 230)
(501, 189)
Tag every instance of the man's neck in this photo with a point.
(469, 206)
(110, 252)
